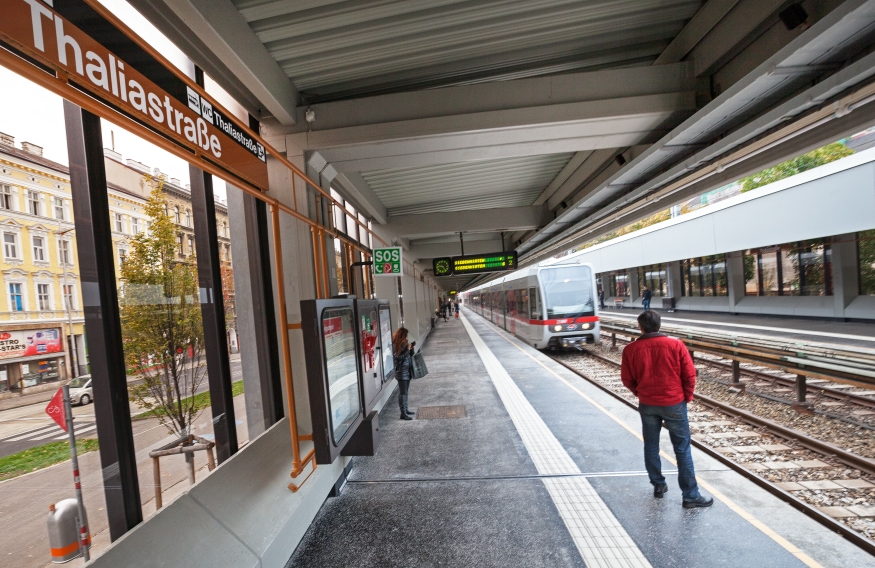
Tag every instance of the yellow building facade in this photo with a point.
(42, 336)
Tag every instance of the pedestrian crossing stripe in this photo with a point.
(48, 431)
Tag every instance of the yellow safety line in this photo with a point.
(786, 544)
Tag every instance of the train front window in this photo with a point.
(568, 292)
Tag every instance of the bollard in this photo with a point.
(613, 341)
(64, 530)
(736, 378)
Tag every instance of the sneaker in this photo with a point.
(701, 501)
(660, 490)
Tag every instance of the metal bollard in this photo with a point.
(801, 391)
(736, 377)
(63, 528)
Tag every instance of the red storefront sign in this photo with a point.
(31, 342)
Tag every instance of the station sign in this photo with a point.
(179, 109)
(475, 264)
(387, 261)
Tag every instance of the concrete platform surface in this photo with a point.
(544, 469)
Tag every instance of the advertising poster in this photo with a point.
(30, 342)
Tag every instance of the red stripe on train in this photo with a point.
(588, 319)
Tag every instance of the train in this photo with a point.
(549, 307)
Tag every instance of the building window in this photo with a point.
(33, 202)
(69, 303)
(705, 276)
(190, 244)
(6, 197)
(224, 229)
(187, 218)
(42, 295)
(179, 244)
(10, 246)
(39, 249)
(795, 269)
(176, 215)
(615, 283)
(653, 277)
(16, 300)
(135, 226)
(166, 211)
(59, 209)
(866, 262)
(228, 253)
(64, 256)
(119, 223)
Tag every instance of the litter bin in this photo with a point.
(63, 532)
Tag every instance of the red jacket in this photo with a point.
(659, 370)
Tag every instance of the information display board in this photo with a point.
(474, 264)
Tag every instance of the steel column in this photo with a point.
(271, 387)
(203, 207)
(102, 324)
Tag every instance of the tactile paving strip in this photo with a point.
(599, 536)
(436, 412)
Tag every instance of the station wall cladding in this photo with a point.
(140, 87)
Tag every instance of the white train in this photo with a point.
(548, 307)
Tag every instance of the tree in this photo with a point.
(809, 161)
(161, 322)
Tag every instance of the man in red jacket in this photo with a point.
(660, 372)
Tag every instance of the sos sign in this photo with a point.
(387, 261)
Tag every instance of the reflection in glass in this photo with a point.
(386, 341)
(769, 273)
(338, 334)
(568, 292)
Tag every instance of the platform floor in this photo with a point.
(544, 470)
(799, 329)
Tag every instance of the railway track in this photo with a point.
(834, 400)
(826, 482)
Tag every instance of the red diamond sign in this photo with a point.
(55, 409)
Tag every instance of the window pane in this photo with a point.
(866, 262)
(751, 275)
(568, 292)
(695, 277)
(813, 263)
(720, 281)
(343, 387)
(769, 271)
(789, 272)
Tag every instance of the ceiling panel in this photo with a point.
(488, 184)
(335, 49)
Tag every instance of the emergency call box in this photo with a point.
(344, 342)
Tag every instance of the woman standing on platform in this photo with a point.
(403, 368)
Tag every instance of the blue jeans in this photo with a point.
(645, 304)
(675, 420)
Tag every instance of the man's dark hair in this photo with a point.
(649, 321)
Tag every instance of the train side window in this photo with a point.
(535, 303)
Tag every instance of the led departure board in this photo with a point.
(472, 264)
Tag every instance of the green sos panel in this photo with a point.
(387, 261)
(473, 264)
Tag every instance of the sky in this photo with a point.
(31, 113)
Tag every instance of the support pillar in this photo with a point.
(253, 283)
(102, 324)
(633, 285)
(735, 279)
(209, 273)
(675, 283)
(845, 273)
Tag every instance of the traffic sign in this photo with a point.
(55, 409)
(387, 261)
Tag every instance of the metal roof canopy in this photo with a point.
(551, 121)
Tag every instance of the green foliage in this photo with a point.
(161, 322)
(867, 263)
(637, 226)
(811, 160)
(40, 457)
(200, 401)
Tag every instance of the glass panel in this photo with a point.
(866, 262)
(535, 306)
(751, 275)
(720, 281)
(812, 267)
(386, 343)
(568, 291)
(769, 273)
(344, 405)
(789, 272)
(695, 277)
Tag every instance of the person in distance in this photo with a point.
(660, 372)
(646, 296)
(403, 368)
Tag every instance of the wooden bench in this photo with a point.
(618, 303)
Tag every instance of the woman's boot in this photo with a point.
(402, 402)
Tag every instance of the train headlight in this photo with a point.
(585, 326)
(557, 328)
